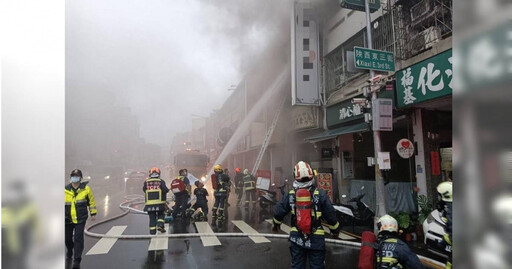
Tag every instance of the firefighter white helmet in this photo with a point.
(445, 189)
(303, 172)
(387, 223)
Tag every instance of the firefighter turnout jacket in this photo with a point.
(322, 210)
(223, 185)
(393, 253)
(249, 183)
(155, 192)
(77, 201)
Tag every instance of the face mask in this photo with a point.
(154, 175)
(75, 179)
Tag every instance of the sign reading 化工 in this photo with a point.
(426, 80)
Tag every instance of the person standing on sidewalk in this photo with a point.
(77, 197)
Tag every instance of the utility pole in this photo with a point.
(379, 181)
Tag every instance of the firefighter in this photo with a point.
(181, 197)
(445, 207)
(250, 188)
(78, 197)
(239, 185)
(155, 192)
(391, 252)
(308, 206)
(221, 184)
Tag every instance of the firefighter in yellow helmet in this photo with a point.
(155, 192)
(220, 184)
(78, 197)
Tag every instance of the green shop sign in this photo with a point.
(426, 80)
(359, 5)
(344, 112)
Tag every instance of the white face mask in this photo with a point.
(75, 179)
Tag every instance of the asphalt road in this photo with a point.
(191, 252)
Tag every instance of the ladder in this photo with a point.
(268, 136)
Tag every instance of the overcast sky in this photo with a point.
(166, 59)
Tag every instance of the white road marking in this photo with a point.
(342, 235)
(105, 244)
(285, 228)
(204, 227)
(160, 243)
(245, 228)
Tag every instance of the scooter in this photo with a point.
(268, 199)
(361, 215)
(434, 230)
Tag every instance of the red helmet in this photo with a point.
(154, 169)
(237, 170)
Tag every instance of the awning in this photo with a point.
(329, 134)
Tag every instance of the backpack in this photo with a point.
(304, 204)
(177, 185)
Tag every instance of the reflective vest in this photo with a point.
(316, 214)
(249, 183)
(76, 203)
(154, 194)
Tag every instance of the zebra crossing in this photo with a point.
(104, 245)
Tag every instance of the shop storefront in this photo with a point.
(424, 93)
(352, 139)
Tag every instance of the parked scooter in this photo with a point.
(268, 199)
(361, 215)
(434, 230)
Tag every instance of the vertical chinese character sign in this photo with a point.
(426, 80)
(324, 182)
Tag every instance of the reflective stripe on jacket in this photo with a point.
(76, 203)
(323, 209)
(249, 183)
(393, 253)
(223, 184)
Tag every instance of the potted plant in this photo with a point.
(405, 225)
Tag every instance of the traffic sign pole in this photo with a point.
(379, 181)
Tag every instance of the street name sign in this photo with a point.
(374, 59)
(359, 5)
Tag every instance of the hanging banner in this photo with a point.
(435, 163)
(405, 148)
(324, 182)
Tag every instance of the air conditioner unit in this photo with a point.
(417, 43)
(421, 9)
(432, 35)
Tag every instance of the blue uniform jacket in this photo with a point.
(315, 241)
(393, 253)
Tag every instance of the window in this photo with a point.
(305, 44)
(305, 23)
(305, 78)
(307, 64)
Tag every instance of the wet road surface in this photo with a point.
(191, 252)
